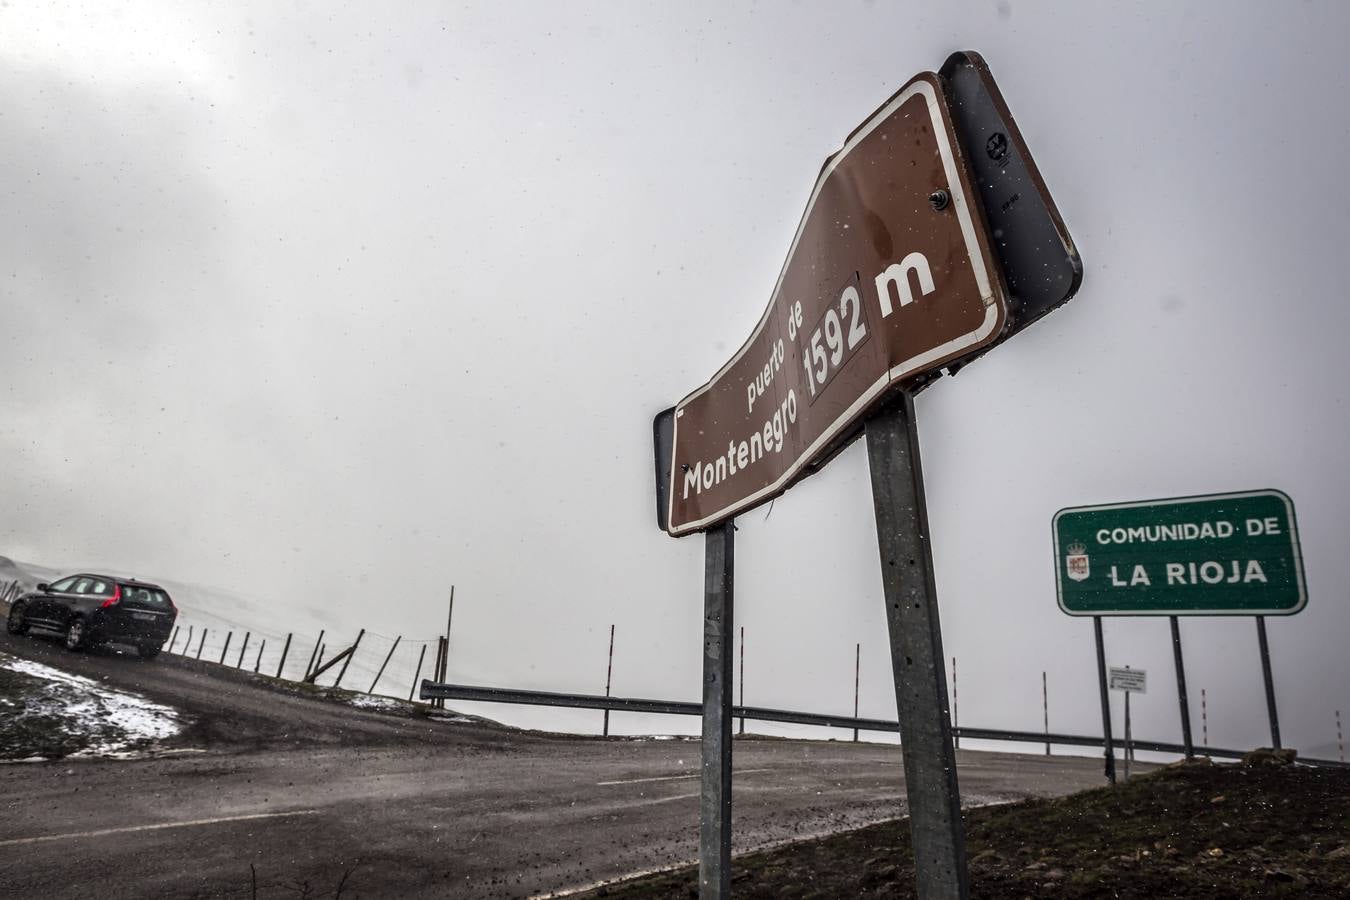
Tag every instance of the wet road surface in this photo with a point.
(302, 793)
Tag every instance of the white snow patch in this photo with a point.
(370, 701)
(138, 719)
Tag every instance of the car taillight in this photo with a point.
(112, 601)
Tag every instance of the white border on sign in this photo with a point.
(1294, 546)
(903, 369)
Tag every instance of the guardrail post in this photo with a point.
(903, 539)
(714, 835)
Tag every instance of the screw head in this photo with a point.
(939, 199)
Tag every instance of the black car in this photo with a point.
(97, 609)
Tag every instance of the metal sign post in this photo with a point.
(1106, 701)
(714, 833)
(1270, 682)
(1182, 699)
(936, 830)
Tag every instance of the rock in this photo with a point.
(1266, 756)
(1214, 852)
(1341, 852)
(1193, 761)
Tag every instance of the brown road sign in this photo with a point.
(889, 276)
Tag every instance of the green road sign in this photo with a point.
(1214, 555)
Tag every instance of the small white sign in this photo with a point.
(1133, 680)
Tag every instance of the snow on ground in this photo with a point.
(96, 719)
(371, 701)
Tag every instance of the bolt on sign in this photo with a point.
(1213, 555)
(890, 275)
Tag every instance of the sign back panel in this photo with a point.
(1040, 262)
(890, 275)
(1214, 555)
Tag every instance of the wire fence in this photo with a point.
(395, 666)
(379, 664)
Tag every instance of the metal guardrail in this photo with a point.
(431, 690)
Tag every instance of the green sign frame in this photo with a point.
(1207, 555)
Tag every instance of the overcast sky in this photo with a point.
(333, 306)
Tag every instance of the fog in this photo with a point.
(330, 308)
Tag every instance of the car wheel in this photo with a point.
(18, 619)
(149, 651)
(75, 634)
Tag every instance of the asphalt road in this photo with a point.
(302, 793)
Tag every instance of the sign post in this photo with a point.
(1270, 682)
(894, 274)
(1182, 700)
(1106, 701)
(916, 652)
(1130, 681)
(714, 835)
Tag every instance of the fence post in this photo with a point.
(742, 679)
(385, 663)
(258, 663)
(439, 669)
(1045, 711)
(187, 646)
(857, 666)
(202, 644)
(243, 649)
(346, 662)
(418, 674)
(1340, 741)
(284, 650)
(313, 656)
(956, 710)
(1204, 717)
(226, 648)
(609, 673)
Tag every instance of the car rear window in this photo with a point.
(144, 596)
